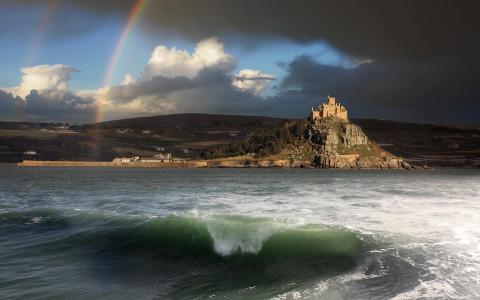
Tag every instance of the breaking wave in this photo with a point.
(257, 257)
(221, 236)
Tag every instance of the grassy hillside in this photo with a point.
(183, 135)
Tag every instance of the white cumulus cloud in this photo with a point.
(43, 77)
(208, 53)
(252, 81)
(129, 79)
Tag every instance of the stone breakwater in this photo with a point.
(32, 163)
(226, 163)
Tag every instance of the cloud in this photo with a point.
(9, 103)
(422, 57)
(175, 81)
(420, 92)
(43, 95)
(382, 30)
(211, 90)
(423, 91)
(129, 79)
(43, 77)
(46, 106)
(252, 81)
(208, 53)
(158, 85)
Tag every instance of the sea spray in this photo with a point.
(233, 234)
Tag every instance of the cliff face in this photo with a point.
(340, 144)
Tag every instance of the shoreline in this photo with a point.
(194, 164)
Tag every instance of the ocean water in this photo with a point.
(100, 233)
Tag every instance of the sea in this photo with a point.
(113, 233)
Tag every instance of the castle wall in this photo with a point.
(314, 115)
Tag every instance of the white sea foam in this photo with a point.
(433, 289)
(431, 215)
(35, 220)
(327, 289)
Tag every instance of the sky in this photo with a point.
(82, 61)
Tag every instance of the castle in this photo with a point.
(331, 108)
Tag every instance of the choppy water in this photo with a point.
(80, 233)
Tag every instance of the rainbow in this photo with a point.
(44, 22)
(133, 18)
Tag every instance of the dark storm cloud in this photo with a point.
(433, 91)
(54, 20)
(9, 103)
(158, 85)
(161, 86)
(46, 106)
(383, 30)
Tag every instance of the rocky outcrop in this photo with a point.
(352, 135)
(341, 144)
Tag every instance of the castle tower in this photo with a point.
(330, 109)
(331, 100)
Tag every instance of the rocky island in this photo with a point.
(338, 143)
(326, 139)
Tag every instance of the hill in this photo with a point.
(190, 121)
(180, 134)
